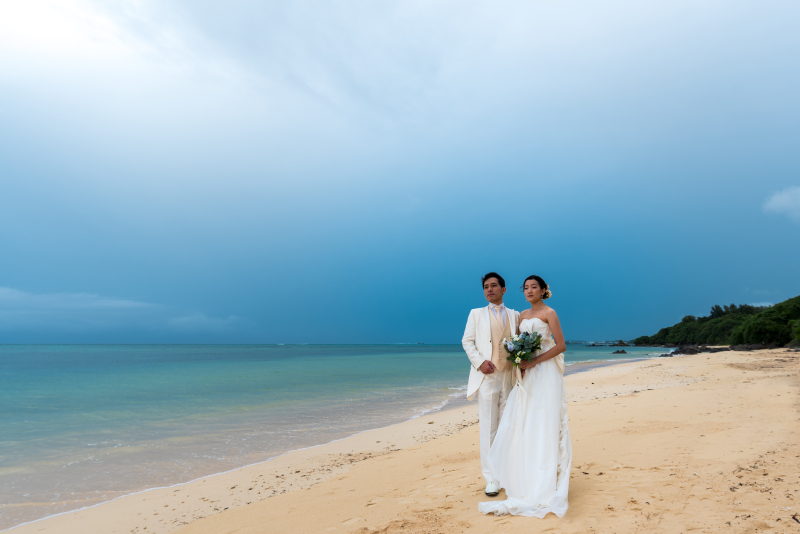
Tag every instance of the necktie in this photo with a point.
(498, 314)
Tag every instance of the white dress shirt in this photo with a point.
(499, 309)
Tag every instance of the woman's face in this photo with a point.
(532, 291)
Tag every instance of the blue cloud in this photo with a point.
(24, 315)
(785, 202)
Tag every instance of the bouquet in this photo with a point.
(521, 348)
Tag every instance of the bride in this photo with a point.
(531, 453)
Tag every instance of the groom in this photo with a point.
(490, 376)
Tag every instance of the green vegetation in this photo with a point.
(734, 325)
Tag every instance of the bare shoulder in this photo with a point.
(525, 314)
(550, 313)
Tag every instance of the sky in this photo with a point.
(344, 172)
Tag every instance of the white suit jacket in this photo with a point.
(477, 342)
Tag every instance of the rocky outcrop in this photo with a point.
(619, 352)
(697, 349)
(759, 346)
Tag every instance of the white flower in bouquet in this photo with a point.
(517, 359)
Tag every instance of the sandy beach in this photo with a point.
(694, 443)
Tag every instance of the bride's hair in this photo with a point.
(547, 293)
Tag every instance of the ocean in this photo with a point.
(83, 424)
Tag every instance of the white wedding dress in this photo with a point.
(531, 453)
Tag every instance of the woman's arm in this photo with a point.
(558, 336)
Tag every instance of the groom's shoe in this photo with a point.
(492, 490)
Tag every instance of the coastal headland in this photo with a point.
(706, 442)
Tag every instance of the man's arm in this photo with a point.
(468, 342)
(515, 330)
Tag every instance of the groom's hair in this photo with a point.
(493, 275)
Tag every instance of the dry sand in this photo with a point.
(702, 443)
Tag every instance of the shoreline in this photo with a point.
(453, 402)
(703, 442)
(446, 406)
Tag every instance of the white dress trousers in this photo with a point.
(492, 397)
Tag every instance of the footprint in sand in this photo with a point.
(352, 521)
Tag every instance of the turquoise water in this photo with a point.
(81, 424)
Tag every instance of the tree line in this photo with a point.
(735, 325)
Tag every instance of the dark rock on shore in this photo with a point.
(758, 346)
(697, 349)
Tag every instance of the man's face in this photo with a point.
(492, 290)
